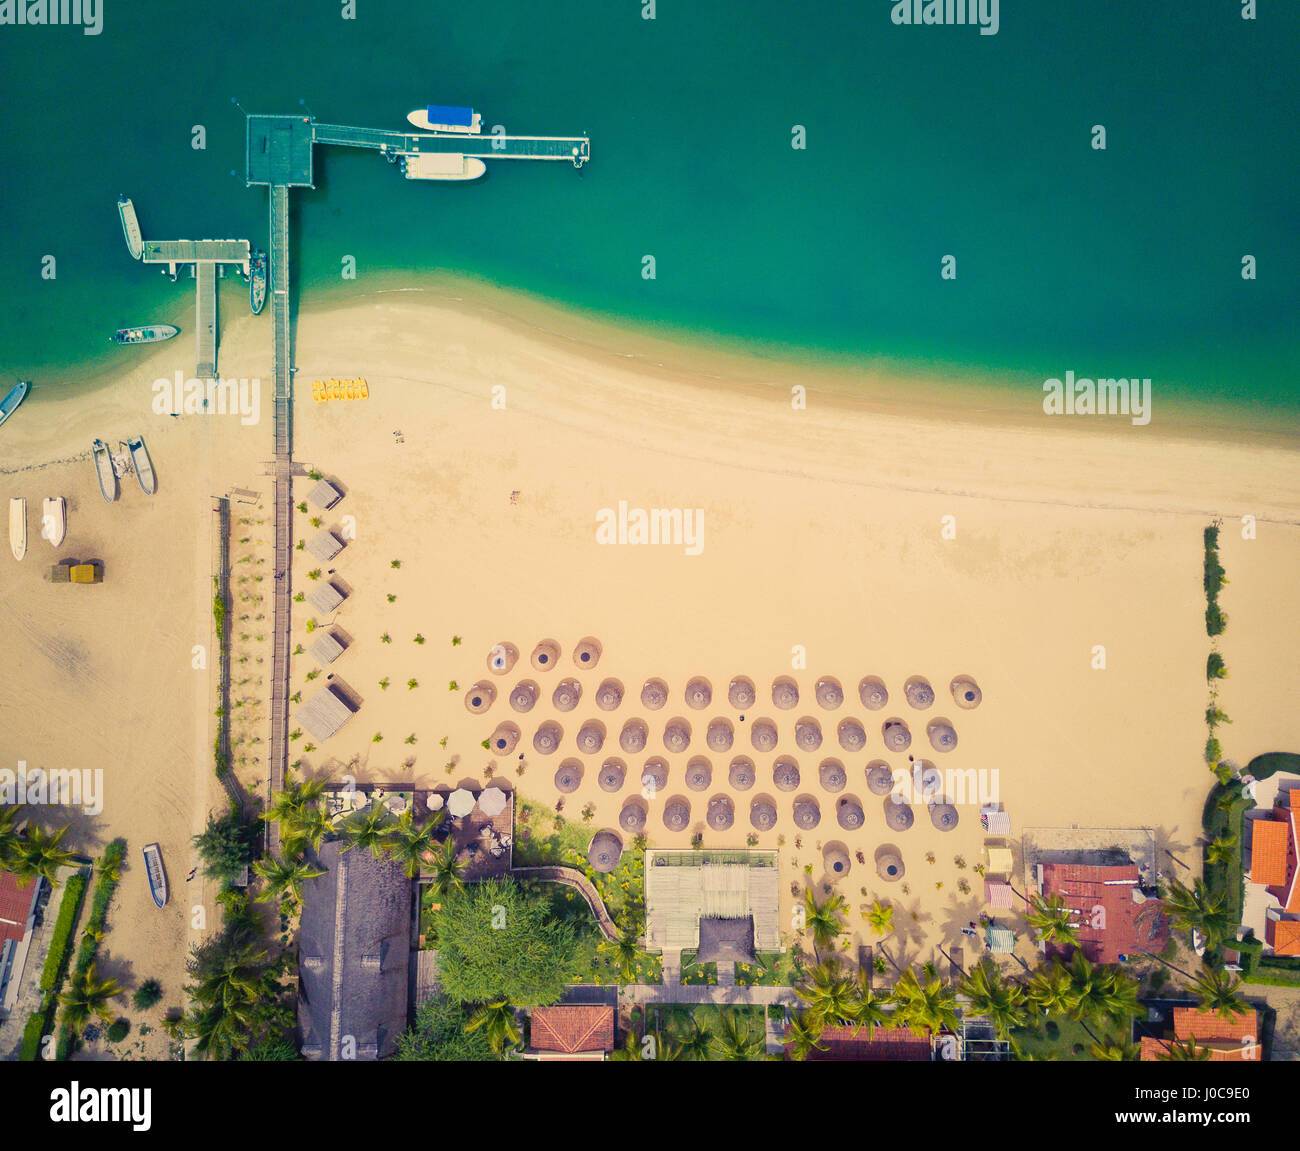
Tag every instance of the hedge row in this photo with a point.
(55, 970)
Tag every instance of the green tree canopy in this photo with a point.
(440, 1035)
(226, 846)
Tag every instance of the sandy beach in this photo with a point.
(880, 532)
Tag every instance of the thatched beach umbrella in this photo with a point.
(851, 734)
(632, 739)
(503, 740)
(586, 654)
(568, 776)
(785, 773)
(943, 736)
(654, 694)
(566, 695)
(502, 657)
(849, 814)
(896, 735)
(943, 816)
(699, 693)
(523, 695)
(836, 860)
(785, 693)
(633, 816)
(873, 693)
(762, 814)
(677, 736)
(480, 697)
(609, 694)
(699, 773)
(612, 774)
(829, 693)
(677, 814)
(740, 693)
(808, 734)
(721, 813)
(547, 738)
(919, 693)
(927, 781)
(546, 655)
(720, 735)
(889, 866)
(741, 773)
(763, 735)
(898, 816)
(605, 850)
(832, 776)
(880, 777)
(654, 776)
(591, 737)
(807, 813)
(966, 692)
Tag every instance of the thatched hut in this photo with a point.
(699, 773)
(591, 737)
(605, 850)
(504, 739)
(612, 774)
(763, 735)
(889, 866)
(807, 813)
(720, 735)
(741, 774)
(677, 735)
(547, 738)
(829, 693)
(699, 693)
(633, 816)
(898, 816)
(609, 694)
(523, 696)
(502, 658)
(586, 653)
(807, 734)
(546, 655)
(568, 776)
(762, 814)
(896, 735)
(943, 736)
(677, 814)
(654, 776)
(654, 694)
(785, 693)
(943, 815)
(918, 692)
(835, 858)
(831, 775)
(566, 695)
(852, 735)
(785, 773)
(634, 736)
(721, 813)
(740, 693)
(873, 693)
(480, 697)
(880, 777)
(966, 692)
(849, 814)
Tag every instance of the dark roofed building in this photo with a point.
(354, 951)
(324, 495)
(572, 1031)
(726, 940)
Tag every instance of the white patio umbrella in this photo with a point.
(435, 801)
(460, 802)
(492, 801)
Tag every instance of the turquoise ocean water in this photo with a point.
(921, 142)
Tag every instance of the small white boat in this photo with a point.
(54, 519)
(142, 464)
(446, 118)
(157, 875)
(104, 469)
(18, 526)
(12, 399)
(441, 166)
(130, 227)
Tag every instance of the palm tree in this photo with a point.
(446, 870)
(219, 1030)
(1221, 849)
(288, 803)
(284, 876)
(1186, 1051)
(870, 1011)
(9, 835)
(929, 1006)
(698, 1044)
(1217, 992)
(1051, 990)
(1112, 1050)
(625, 952)
(802, 1038)
(369, 828)
(311, 826)
(1052, 920)
(87, 999)
(999, 1000)
(831, 996)
(40, 852)
(880, 918)
(822, 919)
(1195, 909)
(736, 1041)
(408, 844)
(499, 1025)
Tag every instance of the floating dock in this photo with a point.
(206, 258)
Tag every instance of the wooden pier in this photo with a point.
(206, 258)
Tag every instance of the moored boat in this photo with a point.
(257, 282)
(130, 227)
(157, 875)
(104, 469)
(142, 464)
(54, 519)
(441, 166)
(13, 397)
(146, 334)
(18, 526)
(446, 118)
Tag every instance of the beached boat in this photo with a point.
(104, 469)
(446, 118)
(142, 464)
(257, 282)
(157, 875)
(54, 519)
(148, 334)
(130, 227)
(13, 397)
(18, 526)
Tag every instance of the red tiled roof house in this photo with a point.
(572, 1031)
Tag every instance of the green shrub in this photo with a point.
(56, 960)
(1215, 668)
(118, 1030)
(1213, 751)
(1215, 620)
(33, 1033)
(147, 995)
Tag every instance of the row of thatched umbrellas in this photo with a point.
(741, 693)
(720, 736)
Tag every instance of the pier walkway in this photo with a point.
(575, 149)
(205, 322)
(206, 256)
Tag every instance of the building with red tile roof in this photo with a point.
(1273, 851)
(18, 904)
(572, 1031)
(1227, 1040)
(1113, 915)
(860, 1045)
(1282, 935)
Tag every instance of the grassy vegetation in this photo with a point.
(105, 887)
(772, 969)
(1214, 579)
(1222, 818)
(677, 1025)
(1056, 1038)
(697, 974)
(55, 971)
